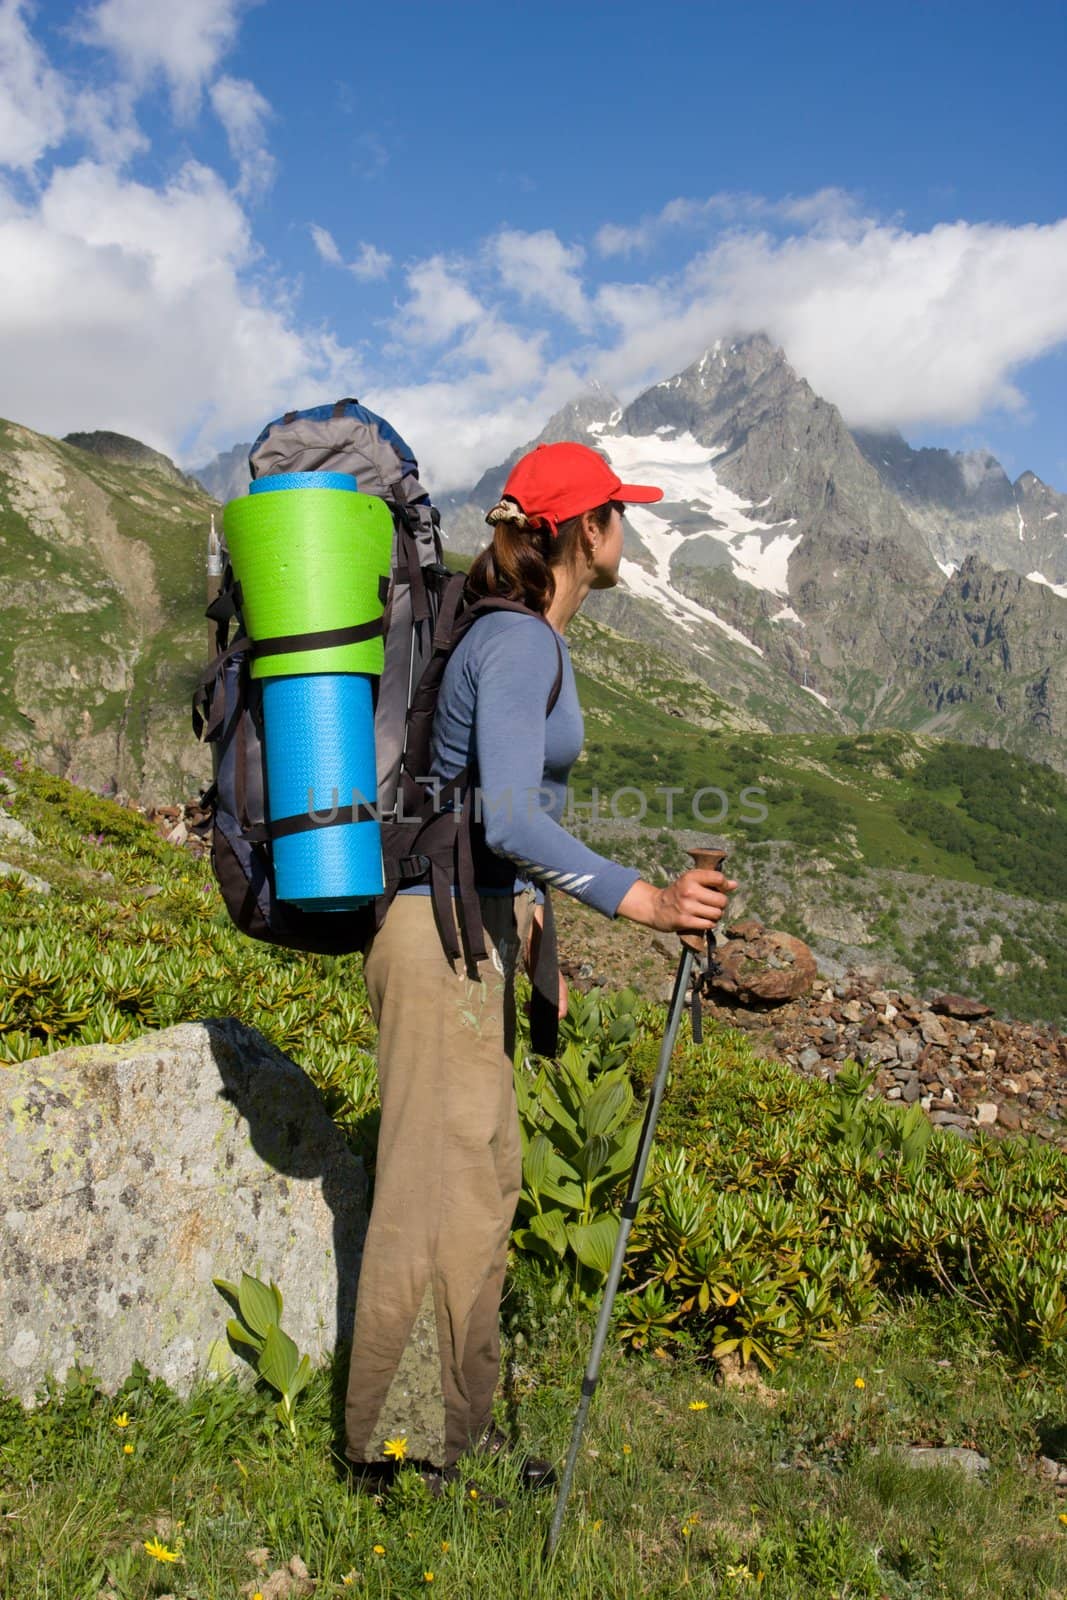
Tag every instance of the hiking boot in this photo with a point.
(439, 1480)
(377, 1478)
(533, 1472)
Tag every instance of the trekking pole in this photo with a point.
(694, 945)
(214, 572)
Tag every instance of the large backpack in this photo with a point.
(430, 832)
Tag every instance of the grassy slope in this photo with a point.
(139, 643)
(792, 1493)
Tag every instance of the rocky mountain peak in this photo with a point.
(595, 409)
(716, 398)
(127, 452)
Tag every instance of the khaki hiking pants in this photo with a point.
(426, 1350)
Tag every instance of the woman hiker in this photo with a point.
(426, 1350)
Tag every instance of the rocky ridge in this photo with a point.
(965, 1067)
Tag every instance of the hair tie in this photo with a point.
(507, 511)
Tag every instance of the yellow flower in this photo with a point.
(379, 1549)
(859, 1384)
(698, 1405)
(398, 1447)
(1063, 1518)
(739, 1572)
(445, 1547)
(122, 1420)
(347, 1578)
(427, 1577)
(686, 1530)
(258, 1595)
(598, 1524)
(159, 1552)
(627, 1449)
(127, 1449)
(474, 1494)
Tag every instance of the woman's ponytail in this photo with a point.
(518, 563)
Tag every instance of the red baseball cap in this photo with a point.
(557, 481)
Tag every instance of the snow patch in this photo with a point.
(947, 567)
(816, 693)
(1057, 588)
(787, 614)
(679, 606)
(759, 551)
(1049, 516)
(1022, 524)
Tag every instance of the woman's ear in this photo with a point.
(590, 530)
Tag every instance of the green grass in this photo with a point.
(800, 1484)
(793, 1494)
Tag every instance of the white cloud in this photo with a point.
(33, 98)
(541, 269)
(244, 113)
(130, 308)
(153, 310)
(326, 245)
(440, 304)
(895, 328)
(829, 207)
(183, 42)
(369, 263)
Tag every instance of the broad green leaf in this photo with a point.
(594, 1242)
(552, 1228)
(621, 1160)
(536, 1163)
(241, 1335)
(300, 1377)
(562, 1183)
(524, 1239)
(279, 1361)
(607, 1105)
(258, 1303)
(592, 1156)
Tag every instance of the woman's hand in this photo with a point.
(693, 903)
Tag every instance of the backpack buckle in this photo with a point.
(411, 867)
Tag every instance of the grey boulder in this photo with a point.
(134, 1174)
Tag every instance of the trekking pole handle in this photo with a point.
(707, 861)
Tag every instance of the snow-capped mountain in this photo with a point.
(790, 568)
(965, 504)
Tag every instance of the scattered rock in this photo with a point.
(29, 880)
(958, 1005)
(931, 1029)
(985, 1114)
(757, 963)
(733, 1373)
(133, 1174)
(969, 1461)
(16, 832)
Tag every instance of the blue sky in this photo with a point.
(463, 212)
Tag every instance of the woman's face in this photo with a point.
(608, 552)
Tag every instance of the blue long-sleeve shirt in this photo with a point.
(491, 709)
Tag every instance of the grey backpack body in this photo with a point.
(428, 832)
(227, 706)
